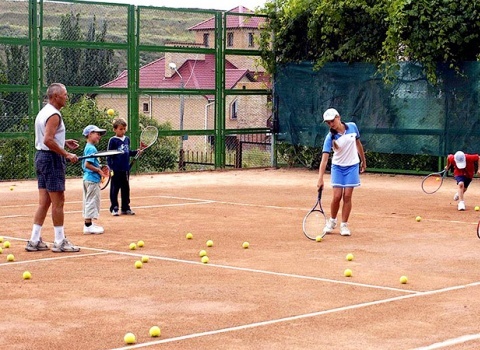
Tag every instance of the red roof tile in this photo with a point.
(233, 21)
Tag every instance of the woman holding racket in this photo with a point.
(463, 171)
(348, 162)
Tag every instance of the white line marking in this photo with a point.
(292, 318)
(450, 342)
(73, 255)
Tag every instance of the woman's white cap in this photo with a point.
(330, 114)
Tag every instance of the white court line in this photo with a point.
(450, 342)
(73, 255)
(294, 318)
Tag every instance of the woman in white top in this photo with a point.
(348, 162)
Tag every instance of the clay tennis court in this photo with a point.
(283, 292)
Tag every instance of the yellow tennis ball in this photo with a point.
(138, 264)
(347, 273)
(154, 331)
(6, 244)
(1, 239)
(140, 243)
(1, 250)
(209, 243)
(129, 338)
(189, 235)
(418, 218)
(477, 208)
(403, 279)
(111, 112)
(145, 259)
(245, 245)
(27, 275)
(132, 246)
(349, 257)
(318, 238)
(11, 188)
(205, 259)
(202, 253)
(10, 257)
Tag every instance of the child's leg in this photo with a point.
(114, 188)
(125, 193)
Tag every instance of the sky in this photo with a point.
(202, 4)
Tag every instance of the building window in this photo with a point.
(234, 109)
(205, 39)
(250, 40)
(230, 39)
(146, 108)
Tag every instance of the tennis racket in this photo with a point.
(148, 137)
(102, 154)
(106, 174)
(478, 230)
(315, 220)
(432, 183)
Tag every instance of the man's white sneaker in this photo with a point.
(344, 230)
(456, 197)
(461, 205)
(330, 225)
(92, 229)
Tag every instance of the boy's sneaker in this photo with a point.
(92, 229)
(344, 230)
(65, 247)
(36, 247)
(330, 225)
(115, 212)
(461, 205)
(128, 212)
(456, 197)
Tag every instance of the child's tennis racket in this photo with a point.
(102, 154)
(148, 137)
(315, 220)
(432, 183)
(478, 230)
(106, 174)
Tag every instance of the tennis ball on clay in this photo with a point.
(129, 338)
(154, 331)
(347, 273)
(1, 250)
(27, 275)
(318, 238)
(10, 257)
(418, 218)
(403, 279)
(6, 244)
(12, 188)
(209, 243)
(140, 243)
(138, 264)
(349, 257)
(477, 208)
(245, 245)
(145, 259)
(205, 259)
(132, 246)
(111, 112)
(1, 239)
(202, 253)
(189, 235)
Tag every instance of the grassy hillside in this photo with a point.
(157, 26)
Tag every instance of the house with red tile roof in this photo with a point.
(197, 71)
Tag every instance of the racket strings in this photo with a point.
(148, 137)
(432, 183)
(313, 224)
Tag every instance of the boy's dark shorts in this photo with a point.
(466, 180)
(50, 168)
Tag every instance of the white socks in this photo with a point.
(36, 233)
(59, 234)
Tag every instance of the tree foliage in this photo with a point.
(378, 31)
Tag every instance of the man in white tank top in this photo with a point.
(50, 166)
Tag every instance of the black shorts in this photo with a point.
(50, 168)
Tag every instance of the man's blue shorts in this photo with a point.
(50, 168)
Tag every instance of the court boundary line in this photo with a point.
(449, 342)
(294, 318)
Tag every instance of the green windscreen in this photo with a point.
(409, 116)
